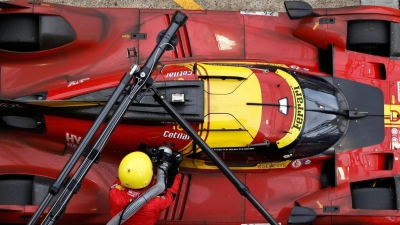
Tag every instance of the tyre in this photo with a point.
(16, 190)
(373, 198)
(369, 36)
(23, 39)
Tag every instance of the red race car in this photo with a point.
(302, 106)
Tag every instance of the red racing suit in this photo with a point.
(120, 197)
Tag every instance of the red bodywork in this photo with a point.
(96, 60)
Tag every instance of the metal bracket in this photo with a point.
(92, 155)
(139, 36)
(331, 209)
(327, 21)
(131, 52)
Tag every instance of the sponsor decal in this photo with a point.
(298, 114)
(295, 67)
(178, 127)
(72, 83)
(306, 161)
(260, 13)
(395, 139)
(10, 105)
(394, 116)
(133, 194)
(296, 163)
(179, 73)
(233, 149)
(176, 135)
(299, 102)
(274, 165)
(276, 64)
(72, 140)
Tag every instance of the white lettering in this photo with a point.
(77, 139)
(176, 135)
(179, 73)
(73, 139)
(71, 145)
(69, 138)
(72, 83)
(10, 105)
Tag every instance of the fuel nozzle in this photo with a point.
(166, 154)
(161, 154)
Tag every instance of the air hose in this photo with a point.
(152, 192)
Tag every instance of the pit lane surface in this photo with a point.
(251, 5)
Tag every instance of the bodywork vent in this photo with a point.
(176, 209)
(182, 50)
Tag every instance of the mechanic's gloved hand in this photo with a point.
(173, 169)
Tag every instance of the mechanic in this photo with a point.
(135, 173)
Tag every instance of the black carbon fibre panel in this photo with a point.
(144, 109)
(54, 31)
(364, 131)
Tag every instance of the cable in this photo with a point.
(154, 60)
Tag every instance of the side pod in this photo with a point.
(301, 215)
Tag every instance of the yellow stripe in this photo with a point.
(200, 164)
(297, 121)
(188, 4)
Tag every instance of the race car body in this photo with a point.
(305, 112)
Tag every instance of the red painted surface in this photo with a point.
(97, 60)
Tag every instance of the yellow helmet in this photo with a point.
(135, 170)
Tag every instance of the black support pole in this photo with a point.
(139, 81)
(243, 190)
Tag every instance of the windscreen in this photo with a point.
(322, 116)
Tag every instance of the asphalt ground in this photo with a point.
(251, 5)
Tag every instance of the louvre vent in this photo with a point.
(176, 209)
(183, 49)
